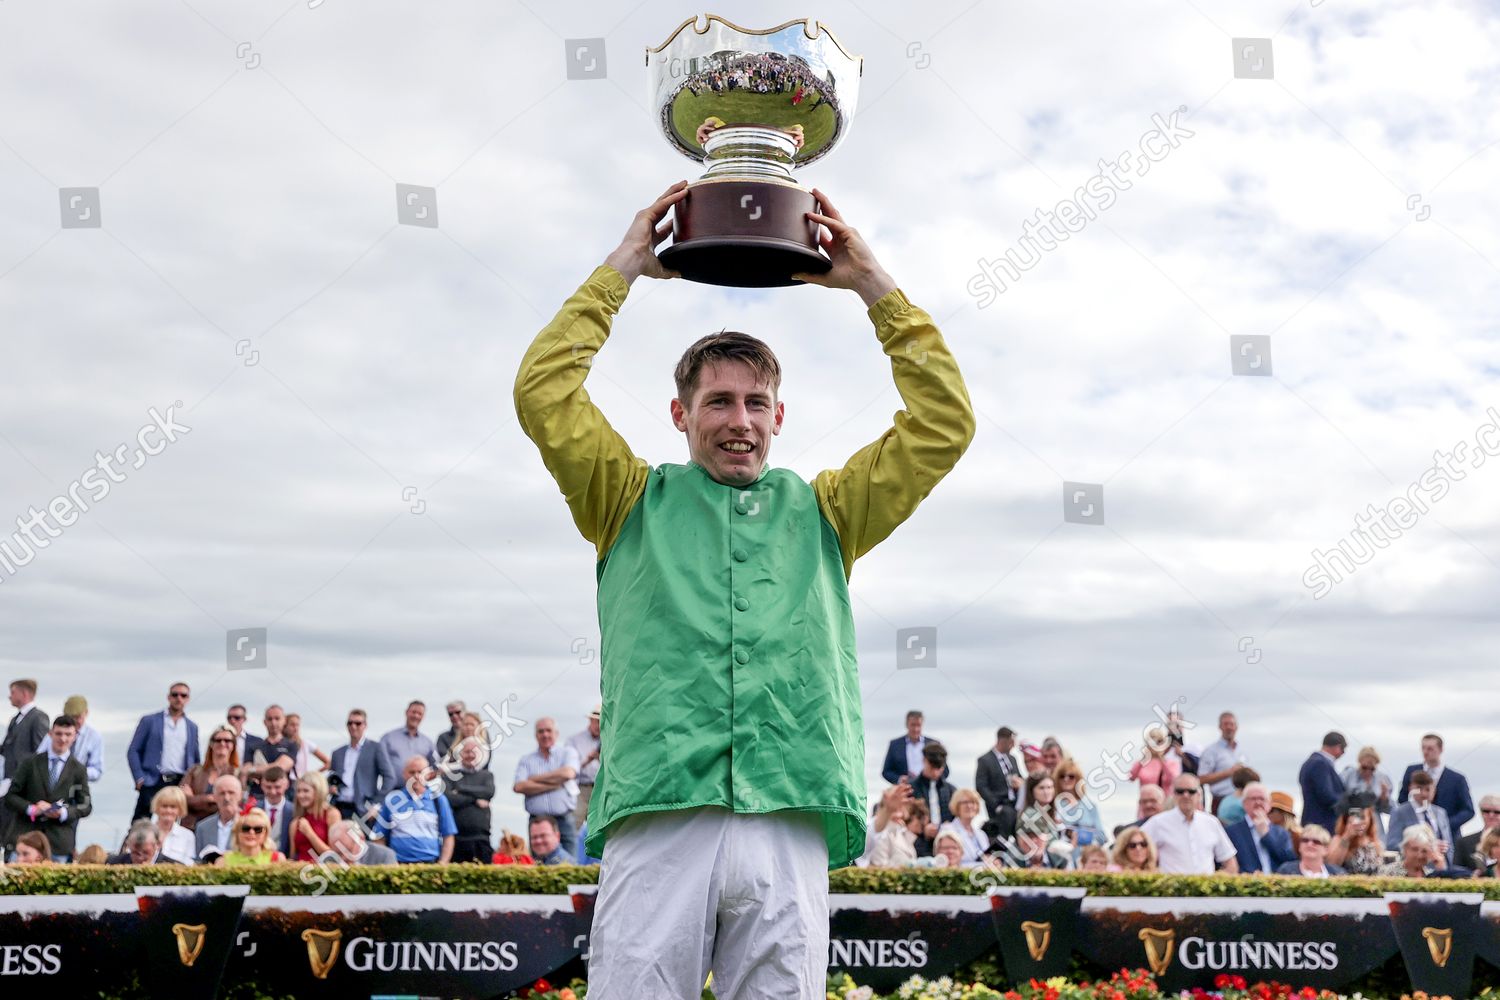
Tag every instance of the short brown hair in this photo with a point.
(726, 345)
(25, 684)
(1422, 778)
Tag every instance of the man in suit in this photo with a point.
(214, 831)
(50, 792)
(142, 847)
(364, 771)
(904, 755)
(245, 744)
(26, 730)
(1452, 788)
(1321, 785)
(1420, 809)
(274, 783)
(163, 749)
(1468, 844)
(1261, 845)
(998, 776)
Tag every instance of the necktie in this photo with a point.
(56, 768)
(1427, 818)
(273, 820)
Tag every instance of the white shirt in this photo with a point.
(273, 839)
(351, 762)
(914, 755)
(173, 745)
(180, 844)
(1436, 772)
(1220, 756)
(1186, 847)
(1320, 873)
(305, 747)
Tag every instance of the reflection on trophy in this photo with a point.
(751, 106)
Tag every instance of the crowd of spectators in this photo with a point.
(1198, 810)
(242, 798)
(763, 73)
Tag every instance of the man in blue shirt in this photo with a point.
(419, 829)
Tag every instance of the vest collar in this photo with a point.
(765, 468)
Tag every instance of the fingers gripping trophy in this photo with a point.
(731, 774)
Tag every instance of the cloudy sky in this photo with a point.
(354, 480)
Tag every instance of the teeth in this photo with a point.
(737, 448)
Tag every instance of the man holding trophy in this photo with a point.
(734, 777)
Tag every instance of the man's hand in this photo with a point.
(854, 264)
(636, 254)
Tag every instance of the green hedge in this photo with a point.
(291, 880)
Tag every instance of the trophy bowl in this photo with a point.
(751, 106)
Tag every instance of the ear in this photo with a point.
(679, 415)
(780, 416)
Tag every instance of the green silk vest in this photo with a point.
(727, 629)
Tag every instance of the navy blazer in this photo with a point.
(1321, 790)
(895, 759)
(1405, 815)
(1277, 841)
(1295, 868)
(144, 752)
(1452, 793)
(373, 774)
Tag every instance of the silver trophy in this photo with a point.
(751, 106)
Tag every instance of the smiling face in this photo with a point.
(729, 422)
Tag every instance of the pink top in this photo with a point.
(1160, 771)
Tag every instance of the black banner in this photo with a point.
(456, 946)
(1439, 937)
(1038, 929)
(186, 933)
(882, 941)
(462, 946)
(1322, 943)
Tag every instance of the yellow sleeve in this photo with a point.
(882, 483)
(600, 477)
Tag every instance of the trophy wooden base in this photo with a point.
(744, 234)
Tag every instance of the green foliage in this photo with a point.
(306, 880)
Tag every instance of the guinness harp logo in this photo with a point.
(1038, 937)
(1159, 945)
(1439, 944)
(322, 950)
(190, 938)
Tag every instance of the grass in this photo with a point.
(744, 107)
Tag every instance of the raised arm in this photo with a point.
(600, 477)
(882, 484)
